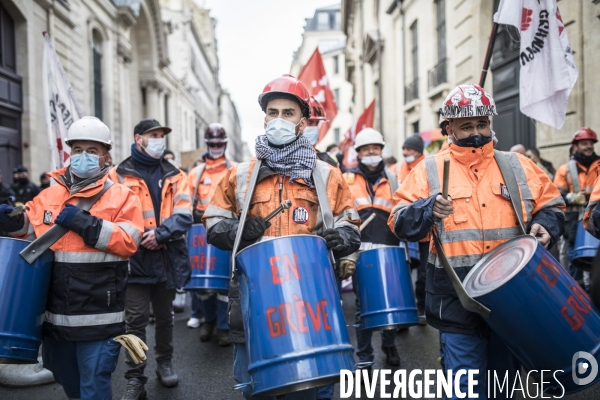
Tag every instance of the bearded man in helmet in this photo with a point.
(477, 217)
(203, 181)
(77, 344)
(372, 187)
(576, 180)
(287, 163)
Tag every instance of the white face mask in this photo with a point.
(409, 159)
(371, 161)
(216, 152)
(155, 148)
(281, 132)
(312, 134)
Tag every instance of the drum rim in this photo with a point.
(276, 238)
(382, 248)
(16, 239)
(471, 275)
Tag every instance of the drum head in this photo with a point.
(500, 265)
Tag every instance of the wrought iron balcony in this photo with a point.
(411, 91)
(437, 75)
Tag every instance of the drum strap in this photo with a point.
(511, 184)
(393, 179)
(199, 171)
(572, 166)
(52, 235)
(324, 206)
(469, 303)
(244, 214)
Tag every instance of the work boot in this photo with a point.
(391, 356)
(166, 374)
(223, 337)
(206, 331)
(135, 390)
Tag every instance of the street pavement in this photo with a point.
(205, 369)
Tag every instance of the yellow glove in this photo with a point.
(579, 199)
(134, 345)
(346, 268)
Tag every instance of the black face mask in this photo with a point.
(475, 141)
(23, 181)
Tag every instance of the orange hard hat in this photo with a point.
(286, 85)
(317, 112)
(584, 133)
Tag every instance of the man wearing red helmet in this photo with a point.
(575, 180)
(311, 132)
(203, 181)
(477, 217)
(288, 165)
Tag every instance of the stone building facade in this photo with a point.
(427, 47)
(323, 30)
(126, 60)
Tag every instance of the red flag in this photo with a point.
(347, 145)
(313, 75)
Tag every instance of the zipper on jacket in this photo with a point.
(280, 201)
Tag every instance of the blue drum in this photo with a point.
(295, 329)
(210, 266)
(540, 312)
(23, 294)
(385, 290)
(414, 255)
(585, 249)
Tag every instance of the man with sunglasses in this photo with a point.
(209, 310)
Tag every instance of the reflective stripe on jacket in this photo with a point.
(213, 172)
(87, 293)
(175, 219)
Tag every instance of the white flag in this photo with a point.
(548, 71)
(62, 108)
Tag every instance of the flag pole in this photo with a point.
(488, 54)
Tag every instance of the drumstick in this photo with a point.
(446, 177)
(18, 210)
(367, 221)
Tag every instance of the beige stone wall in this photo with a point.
(135, 57)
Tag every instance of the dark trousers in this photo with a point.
(421, 275)
(137, 315)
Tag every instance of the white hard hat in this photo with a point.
(89, 128)
(368, 136)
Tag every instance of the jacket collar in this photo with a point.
(210, 163)
(62, 177)
(470, 156)
(127, 168)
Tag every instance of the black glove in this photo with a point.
(334, 239)
(254, 228)
(198, 216)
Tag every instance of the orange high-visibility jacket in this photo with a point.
(588, 222)
(402, 168)
(302, 218)
(175, 195)
(483, 214)
(87, 295)
(213, 172)
(587, 177)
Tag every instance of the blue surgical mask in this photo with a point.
(281, 132)
(85, 165)
(312, 134)
(155, 148)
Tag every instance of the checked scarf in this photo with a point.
(298, 159)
